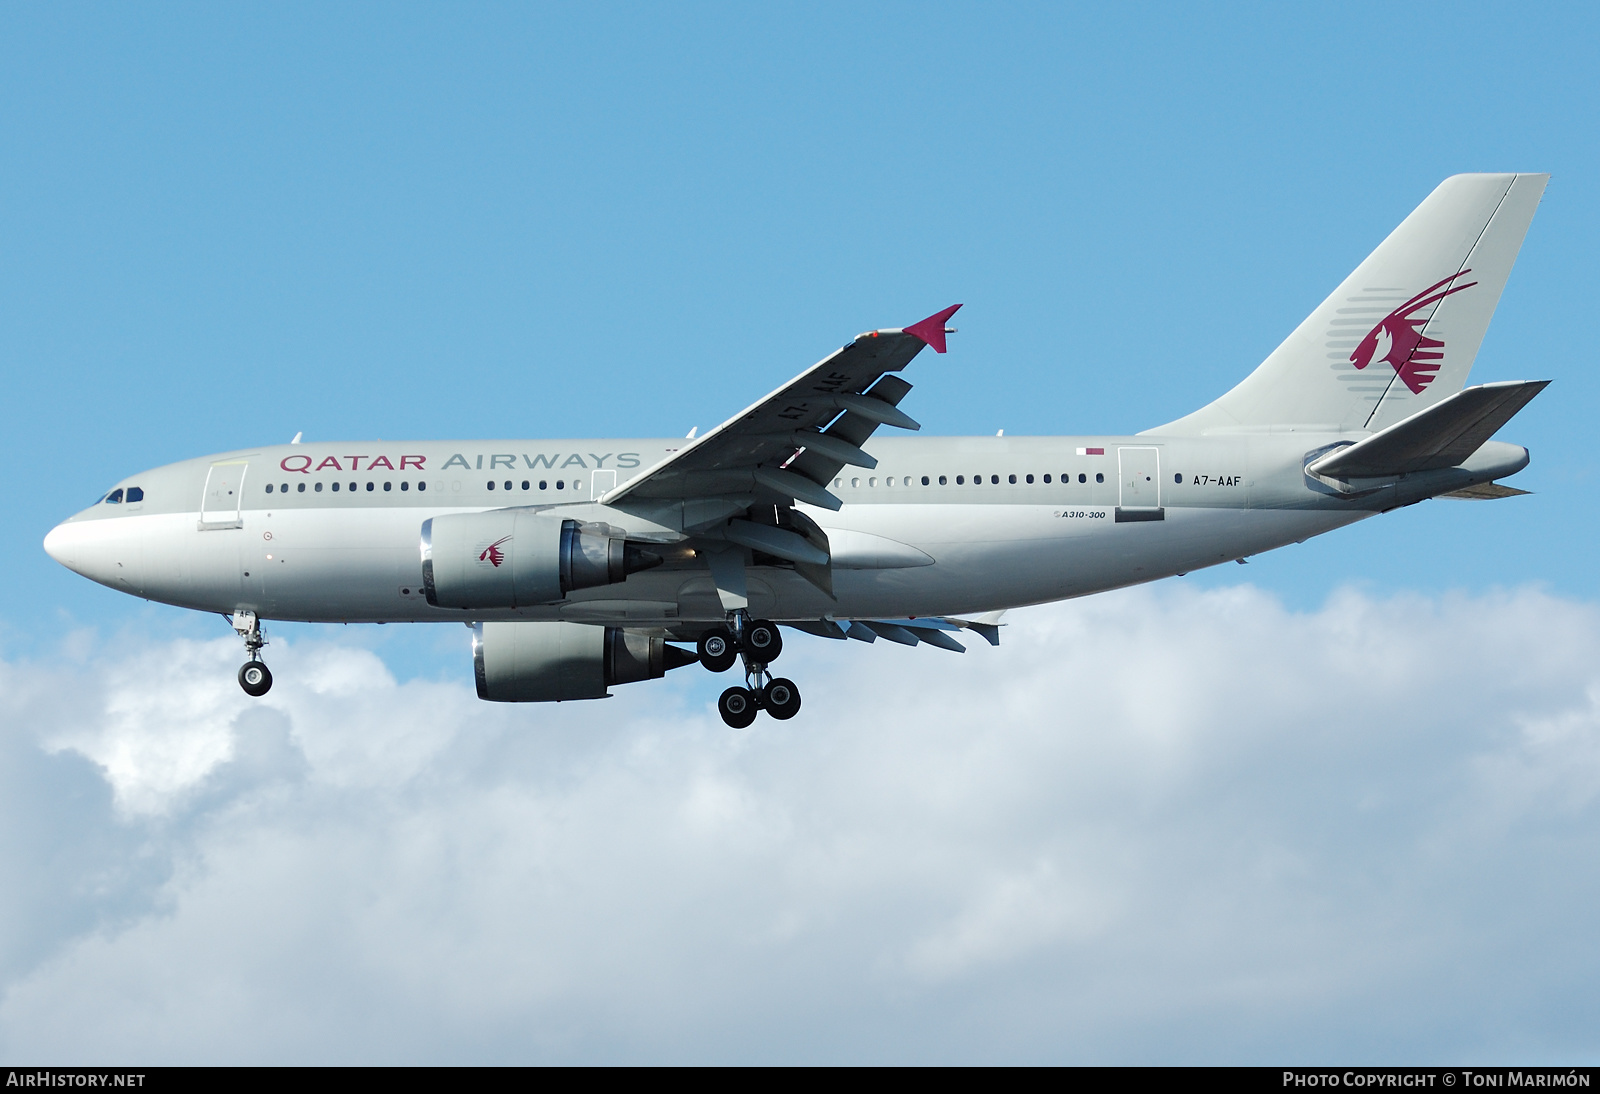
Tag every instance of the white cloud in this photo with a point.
(1153, 825)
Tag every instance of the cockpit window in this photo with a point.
(115, 497)
(135, 493)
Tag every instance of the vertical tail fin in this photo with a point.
(1401, 333)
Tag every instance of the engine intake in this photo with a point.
(555, 662)
(510, 558)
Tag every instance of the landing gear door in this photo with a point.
(219, 504)
(1139, 484)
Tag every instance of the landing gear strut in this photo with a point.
(759, 643)
(254, 676)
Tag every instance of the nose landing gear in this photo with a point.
(254, 676)
(759, 643)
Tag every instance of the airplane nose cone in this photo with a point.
(109, 551)
(58, 545)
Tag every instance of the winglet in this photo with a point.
(931, 330)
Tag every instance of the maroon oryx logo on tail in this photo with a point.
(1399, 340)
(492, 554)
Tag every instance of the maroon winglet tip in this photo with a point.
(931, 329)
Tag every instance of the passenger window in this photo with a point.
(301, 489)
(542, 484)
(872, 481)
(1178, 478)
(961, 480)
(404, 485)
(317, 488)
(994, 480)
(1047, 480)
(369, 487)
(1012, 479)
(491, 484)
(269, 488)
(1098, 477)
(115, 497)
(1030, 479)
(422, 486)
(855, 484)
(335, 488)
(508, 484)
(388, 486)
(525, 484)
(924, 480)
(560, 485)
(943, 481)
(352, 487)
(1082, 477)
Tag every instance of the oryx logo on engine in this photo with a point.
(1399, 340)
(492, 554)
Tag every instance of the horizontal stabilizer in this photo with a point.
(1441, 436)
(1485, 491)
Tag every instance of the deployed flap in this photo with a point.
(1401, 333)
(753, 453)
(1441, 436)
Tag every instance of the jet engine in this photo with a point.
(553, 662)
(509, 558)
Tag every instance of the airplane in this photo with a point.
(580, 565)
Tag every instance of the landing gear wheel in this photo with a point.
(717, 650)
(781, 699)
(737, 707)
(762, 642)
(255, 678)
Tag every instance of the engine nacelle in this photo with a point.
(554, 662)
(510, 558)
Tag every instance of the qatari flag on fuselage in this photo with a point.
(1091, 452)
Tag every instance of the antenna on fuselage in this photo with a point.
(297, 437)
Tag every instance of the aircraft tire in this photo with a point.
(781, 699)
(762, 642)
(737, 707)
(717, 650)
(255, 678)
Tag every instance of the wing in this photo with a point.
(787, 446)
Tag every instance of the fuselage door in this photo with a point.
(1139, 470)
(219, 505)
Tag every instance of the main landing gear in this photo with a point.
(759, 643)
(254, 676)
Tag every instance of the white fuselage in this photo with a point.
(942, 526)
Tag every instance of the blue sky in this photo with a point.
(223, 224)
(226, 225)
